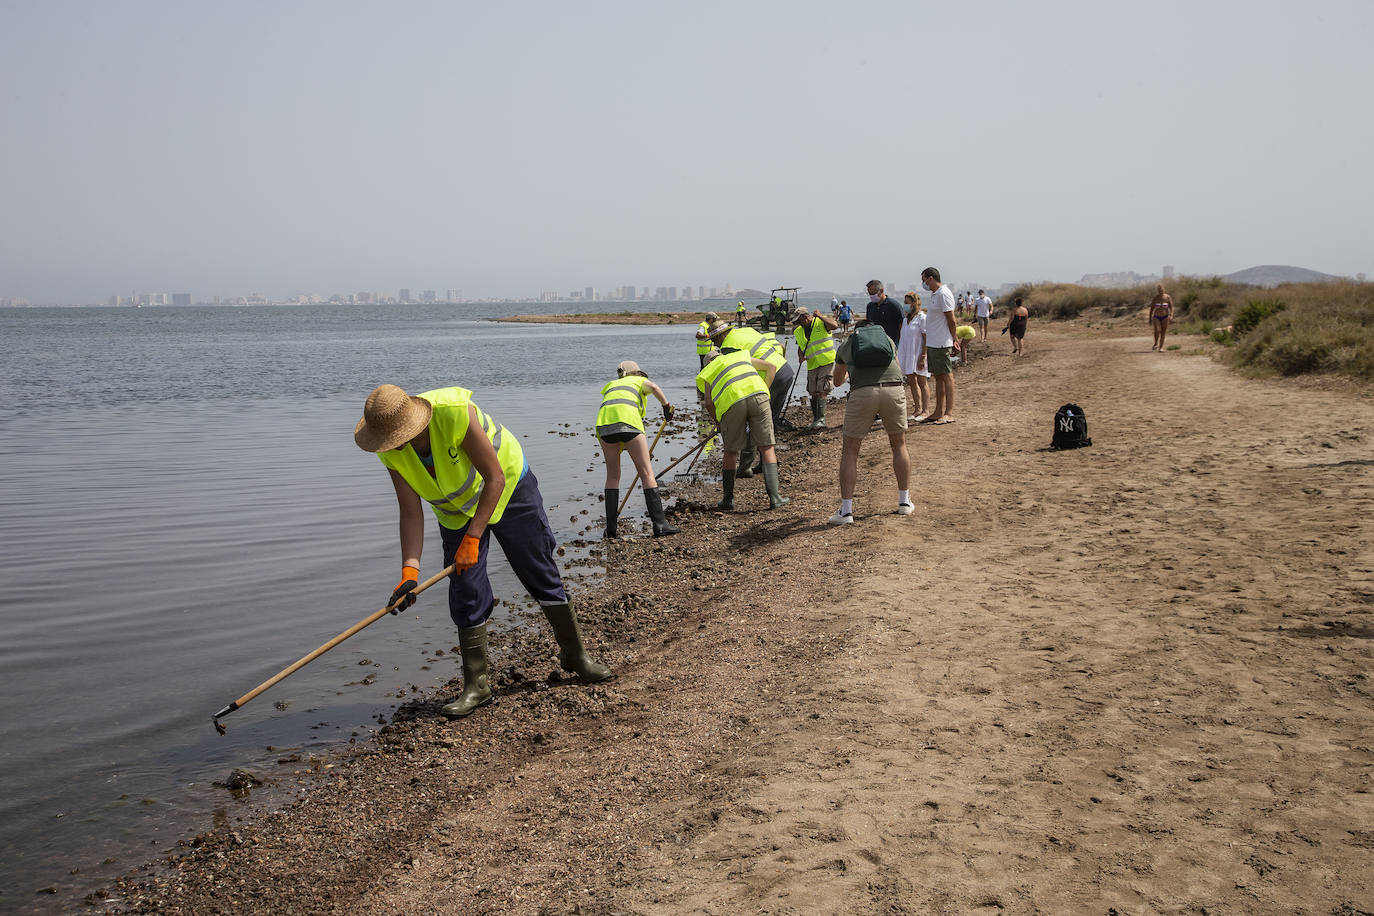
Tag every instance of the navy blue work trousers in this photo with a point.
(528, 543)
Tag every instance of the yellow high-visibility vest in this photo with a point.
(703, 342)
(759, 346)
(727, 378)
(817, 343)
(454, 489)
(623, 400)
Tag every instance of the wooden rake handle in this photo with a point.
(307, 659)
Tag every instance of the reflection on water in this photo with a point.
(185, 513)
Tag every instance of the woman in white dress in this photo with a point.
(909, 353)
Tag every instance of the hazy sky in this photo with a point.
(504, 149)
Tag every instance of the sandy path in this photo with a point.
(1131, 678)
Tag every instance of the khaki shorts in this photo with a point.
(937, 360)
(888, 402)
(747, 417)
(820, 381)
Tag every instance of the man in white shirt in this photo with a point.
(940, 342)
(982, 313)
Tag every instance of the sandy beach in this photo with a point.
(1132, 678)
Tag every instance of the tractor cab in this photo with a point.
(777, 311)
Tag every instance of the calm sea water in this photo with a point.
(184, 513)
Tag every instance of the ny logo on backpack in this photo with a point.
(1070, 428)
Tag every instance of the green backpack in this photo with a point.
(871, 347)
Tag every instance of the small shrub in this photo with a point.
(1173, 346)
(1255, 311)
(1298, 355)
(1223, 336)
(1196, 326)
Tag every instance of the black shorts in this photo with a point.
(616, 433)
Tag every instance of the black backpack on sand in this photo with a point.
(871, 347)
(1070, 428)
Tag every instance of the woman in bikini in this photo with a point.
(1161, 311)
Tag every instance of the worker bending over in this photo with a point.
(735, 388)
(620, 426)
(440, 448)
(767, 348)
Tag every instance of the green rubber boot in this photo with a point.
(817, 413)
(770, 482)
(746, 462)
(727, 486)
(476, 686)
(572, 655)
(612, 512)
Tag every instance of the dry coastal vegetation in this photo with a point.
(1294, 329)
(1133, 678)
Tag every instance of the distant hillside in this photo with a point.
(1276, 274)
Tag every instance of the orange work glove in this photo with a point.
(465, 557)
(401, 597)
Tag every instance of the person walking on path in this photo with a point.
(1161, 313)
(440, 448)
(620, 426)
(909, 351)
(938, 344)
(765, 347)
(817, 347)
(1016, 327)
(846, 315)
(982, 314)
(875, 387)
(737, 397)
(883, 311)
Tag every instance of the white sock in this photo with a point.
(846, 507)
(903, 497)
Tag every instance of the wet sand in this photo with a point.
(1129, 678)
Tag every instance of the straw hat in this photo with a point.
(627, 367)
(712, 316)
(391, 418)
(802, 315)
(717, 328)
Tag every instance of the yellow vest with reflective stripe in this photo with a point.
(759, 346)
(456, 486)
(727, 378)
(623, 401)
(703, 343)
(820, 351)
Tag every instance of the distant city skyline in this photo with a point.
(508, 150)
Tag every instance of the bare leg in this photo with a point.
(901, 460)
(729, 460)
(849, 466)
(611, 450)
(924, 390)
(638, 447)
(1163, 329)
